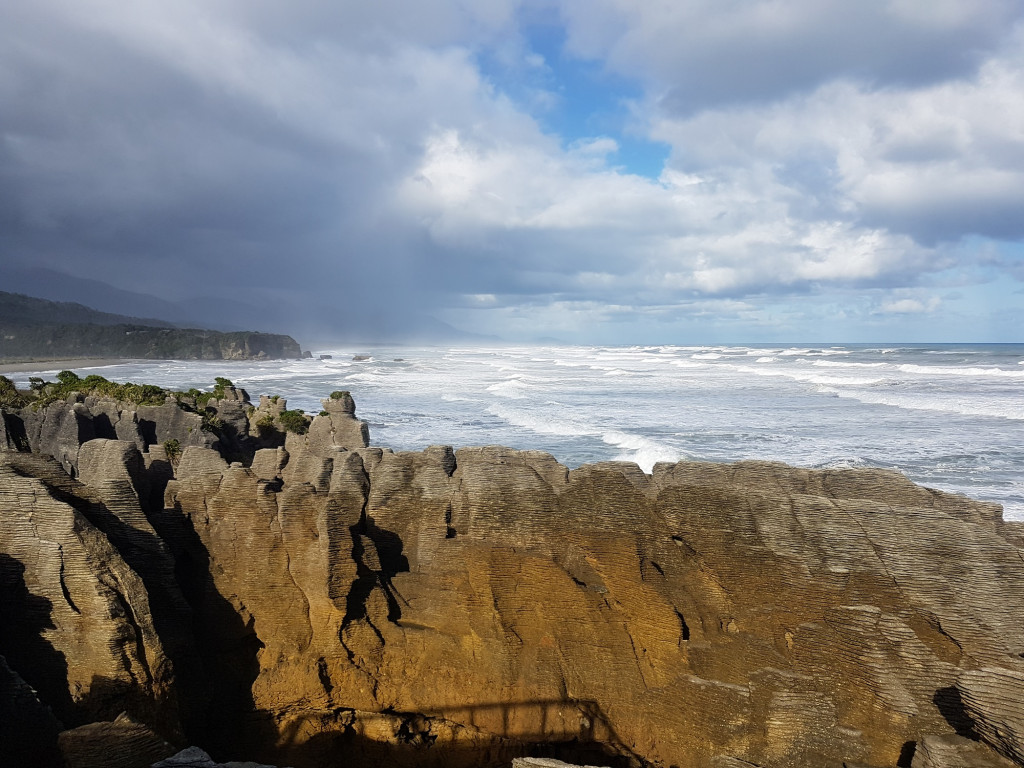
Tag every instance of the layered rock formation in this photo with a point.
(308, 600)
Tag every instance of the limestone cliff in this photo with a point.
(309, 600)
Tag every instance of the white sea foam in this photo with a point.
(515, 389)
(843, 462)
(810, 377)
(644, 451)
(944, 404)
(945, 370)
(956, 425)
(687, 364)
(813, 352)
(843, 364)
(541, 422)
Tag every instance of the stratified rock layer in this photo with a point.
(121, 743)
(346, 604)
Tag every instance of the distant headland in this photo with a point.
(35, 330)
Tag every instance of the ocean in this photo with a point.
(948, 416)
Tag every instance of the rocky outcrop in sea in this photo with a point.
(289, 595)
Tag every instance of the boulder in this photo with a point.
(120, 743)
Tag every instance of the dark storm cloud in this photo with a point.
(122, 162)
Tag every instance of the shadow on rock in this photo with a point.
(217, 701)
(28, 732)
(376, 565)
(408, 740)
(951, 706)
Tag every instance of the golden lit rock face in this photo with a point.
(780, 616)
(333, 602)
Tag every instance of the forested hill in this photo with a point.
(19, 309)
(33, 328)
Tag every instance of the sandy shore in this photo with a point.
(59, 365)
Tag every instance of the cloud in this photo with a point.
(341, 163)
(170, 145)
(597, 232)
(936, 163)
(699, 54)
(910, 306)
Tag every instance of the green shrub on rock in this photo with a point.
(294, 421)
(94, 384)
(9, 395)
(172, 448)
(212, 423)
(220, 384)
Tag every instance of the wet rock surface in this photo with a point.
(318, 601)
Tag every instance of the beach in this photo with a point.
(23, 366)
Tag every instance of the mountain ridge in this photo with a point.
(22, 309)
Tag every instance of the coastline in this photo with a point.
(59, 364)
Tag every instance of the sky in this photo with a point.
(591, 171)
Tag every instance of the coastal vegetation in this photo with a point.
(172, 448)
(45, 392)
(41, 393)
(294, 421)
(10, 397)
(200, 399)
